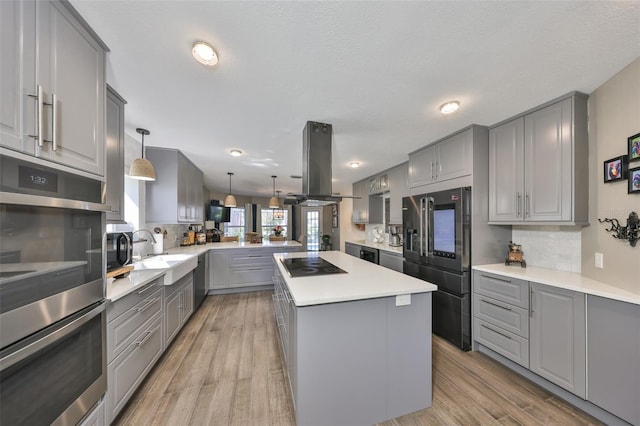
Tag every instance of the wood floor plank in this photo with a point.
(225, 368)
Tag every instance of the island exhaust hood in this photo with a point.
(316, 167)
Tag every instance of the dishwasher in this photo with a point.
(200, 281)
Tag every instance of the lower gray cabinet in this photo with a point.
(134, 343)
(391, 260)
(557, 337)
(352, 249)
(178, 306)
(613, 351)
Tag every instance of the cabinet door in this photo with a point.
(613, 351)
(183, 189)
(172, 316)
(71, 66)
(391, 261)
(115, 155)
(506, 182)
(548, 163)
(454, 156)
(217, 269)
(352, 249)
(557, 337)
(422, 167)
(360, 205)
(187, 301)
(398, 188)
(17, 75)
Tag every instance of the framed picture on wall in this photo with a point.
(633, 146)
(634, 180)
(615, 168)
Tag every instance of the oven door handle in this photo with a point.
(33, 347)
(60, 203)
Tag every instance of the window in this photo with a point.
(236, 225)
(272, 218)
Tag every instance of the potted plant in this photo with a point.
(326, 239)
(277, 230)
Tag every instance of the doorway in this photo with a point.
(312, 227)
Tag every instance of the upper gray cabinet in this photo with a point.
(176, 194)
(52, 108)
(538, 165)
(443, 160)
(361, 204)
(398, 188)
(115, 155)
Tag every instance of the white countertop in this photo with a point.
(567, 280)
(363, 280)
(380, 246)
(119, 288)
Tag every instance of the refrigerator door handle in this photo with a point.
(421, 240)
(428, 221)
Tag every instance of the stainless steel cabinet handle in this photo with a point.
(518, 204)
(526, 204)
(147, 334)
(144, 290)
(146, 305)
(497, 332)
(54, 123)
(496, 305)
(497, 279)
(530, 302)
(39, 108)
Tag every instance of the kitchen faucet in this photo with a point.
(148, 232)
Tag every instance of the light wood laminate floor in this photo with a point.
(225, 368)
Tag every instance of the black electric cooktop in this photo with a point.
(308, 266)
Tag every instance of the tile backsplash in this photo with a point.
(552, 247)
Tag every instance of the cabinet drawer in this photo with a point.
(507, 344)
(504, 289)
(504, 315)
(251, 276)
(123, 330)
(128, 370)
(250, 260)
(121, 306)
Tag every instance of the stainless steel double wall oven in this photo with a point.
(52, 294)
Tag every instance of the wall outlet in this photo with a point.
(600, 260)
(403, 300)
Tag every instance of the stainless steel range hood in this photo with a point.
(316, 167)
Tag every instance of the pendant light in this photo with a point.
(141, 168)
(278, 214)
(274, 203)
(230, 200)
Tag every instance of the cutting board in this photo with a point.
(120, 272)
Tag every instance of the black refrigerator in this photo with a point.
(437, 248)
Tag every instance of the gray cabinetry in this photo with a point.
(134, 343)
(613, 353)
(115, 155)
(443, 160)
(558, 337)
(243, 267)
(56, 39)
(352, 249)
(398, 188)
(540, 327)
(536, 165)
(390, 260)
(178, 306)
(176, 195)
(361, 204)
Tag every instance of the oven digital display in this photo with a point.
(32, 178)
(444, 230)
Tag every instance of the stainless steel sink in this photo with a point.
(175, 266)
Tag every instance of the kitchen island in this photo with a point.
(356, 342)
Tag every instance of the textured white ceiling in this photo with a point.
(377, 71)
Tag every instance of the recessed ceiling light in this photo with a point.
(354, 164)
(204, 53)
(235, 153)
(450, 107)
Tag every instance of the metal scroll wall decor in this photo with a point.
(631, 232)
